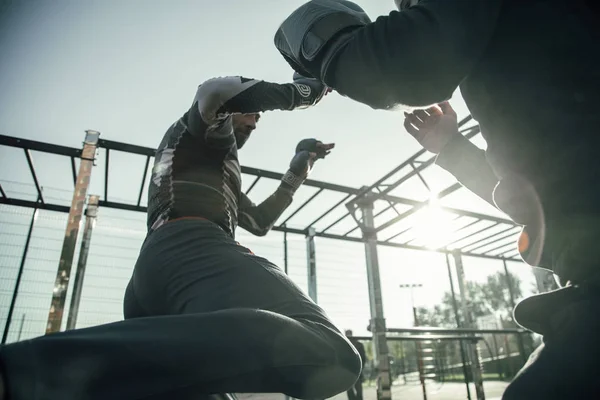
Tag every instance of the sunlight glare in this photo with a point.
(433, 226)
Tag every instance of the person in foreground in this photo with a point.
(203, 314)
(528, 74)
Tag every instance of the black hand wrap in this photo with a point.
(301, 164)
(309, 91)
(310, 145)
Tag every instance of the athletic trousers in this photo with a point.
(203, 315)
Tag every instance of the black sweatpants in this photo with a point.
(203, 315)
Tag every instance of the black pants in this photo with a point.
(203, 315)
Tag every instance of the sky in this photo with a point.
(129, 69)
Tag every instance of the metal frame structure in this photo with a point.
(376, 194)
(491, 238)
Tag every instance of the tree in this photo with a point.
(491, 297)
(488, 298)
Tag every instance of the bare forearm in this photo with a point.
(467, 163)
(260, 219)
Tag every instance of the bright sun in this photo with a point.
(433, 227)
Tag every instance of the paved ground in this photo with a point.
(435, 391)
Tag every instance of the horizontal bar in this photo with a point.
(493, 236)
(127, 148)
(390, 206)
(457, 331)
(382, 243)
(129, 207)
(33, 204)
(510, 255)
(309, 182)
(424, 204)
(423, 338)
(147, 151)
(462, 213)
(507, 244)
(472, 132)
(122, 206)
(463, 121)
(34, 145)
(513, 242)
(470, 235)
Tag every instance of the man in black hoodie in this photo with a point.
(528, 72)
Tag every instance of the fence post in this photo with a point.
(469, 323)
(13, 300)
(61, 284)
(285, 251)
(21, 327)
(511, 292)
(378, 328)
(311, 264)
(90, 222)
(458, 325)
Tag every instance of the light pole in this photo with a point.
(412, 286)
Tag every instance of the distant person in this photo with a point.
(356, 392)
(203, 313)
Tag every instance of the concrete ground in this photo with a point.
(435, 391)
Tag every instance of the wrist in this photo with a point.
(453, 150)
(291, 182)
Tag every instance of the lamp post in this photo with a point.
(412, 286)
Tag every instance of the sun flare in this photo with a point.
(433, 226)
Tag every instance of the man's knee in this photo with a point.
(131, 305)
(339, 375)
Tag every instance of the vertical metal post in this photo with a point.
(403, 360)
(498, 363)
(285, 268)
(311, 264)
(90, 221)
(511, 293)
(21, 327)
(61, 284)
(458, 325)
(380, 348)
(13, 300)
(420, 356)
(418, 347)
(285, 251)
(472, 348)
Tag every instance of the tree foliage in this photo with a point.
(491, 297)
